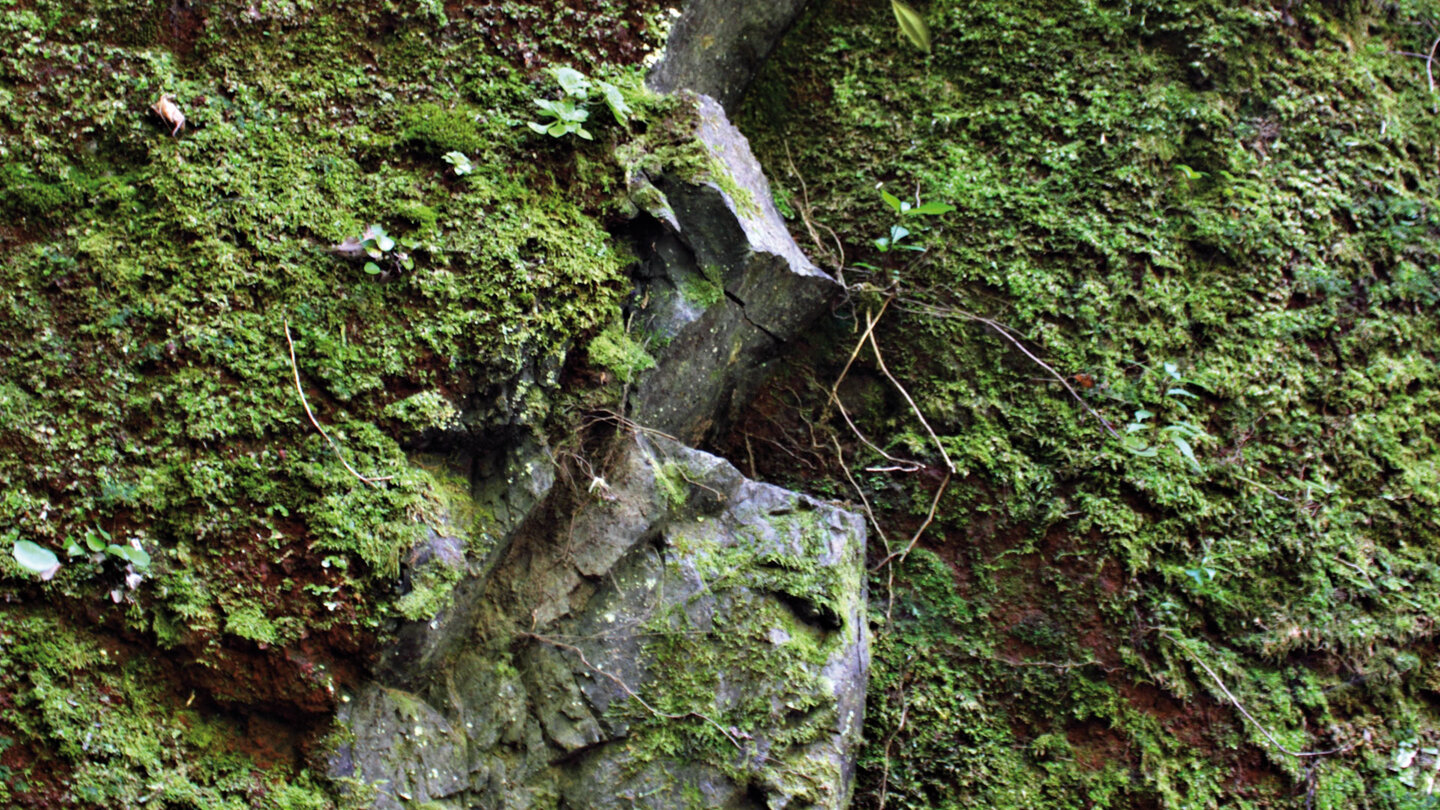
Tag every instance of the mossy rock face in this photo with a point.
(1216, 224)
(698, 640)
(199, 377)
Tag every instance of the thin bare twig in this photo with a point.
(834, 398)
(870, 514)
(930, 518)
(906, 465)
(631, 692)
(870, 327)
(301, 391)
(1256, 723)
(1430, 69)
(807, 215)
(1004, 332)
(1262, 486)
(950, 465)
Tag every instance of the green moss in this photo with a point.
(616, 350)
(25, 194)
(443, 130)
(705, 290)
(115, 737)
(158, 285)
(1236, 193)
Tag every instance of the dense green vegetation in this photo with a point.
(1217, 223)
(152, 436)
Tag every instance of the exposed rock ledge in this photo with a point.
(671, 634)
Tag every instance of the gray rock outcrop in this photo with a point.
(684, 635)
(717, 46)
(721, 237)
(656, 631)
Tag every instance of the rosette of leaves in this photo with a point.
(568, 114)
(377, 248)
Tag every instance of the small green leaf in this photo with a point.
(540, 128)
(615, 101)
(372, 268)
(891, 200)
(572, 81)
(932, 208)
(1185, 450)
(912, 25)
(136, 556)
(1180, 392)
(460, 161)
(37, 558)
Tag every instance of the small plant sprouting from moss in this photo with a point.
(569, 113)
(616, 350)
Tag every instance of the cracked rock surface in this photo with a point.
(697, 636)
(710, 356)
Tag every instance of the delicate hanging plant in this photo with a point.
(912, 25)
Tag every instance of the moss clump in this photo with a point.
(1230, 201)
(443, 130)
(24, 194)
(705, 290)
(616, 350)
(157, 286)
(117, 737)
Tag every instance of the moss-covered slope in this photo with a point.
(218, 551)
(1217, 224)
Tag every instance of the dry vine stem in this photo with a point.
(834, 398)
(930, 518)
(631, 692)
(303, 401)
(870, 331)
(1004, 332)
(1271, 737)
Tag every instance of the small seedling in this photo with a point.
(460, 162)
(898, 232)
(375, 247)
(569, 113)
(1182, 435)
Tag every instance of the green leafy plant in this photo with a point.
(380, 247)
(100, 545)
(1140, 437)
(907, 210)
(569, 113)
(912, 25)
(460, 161)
